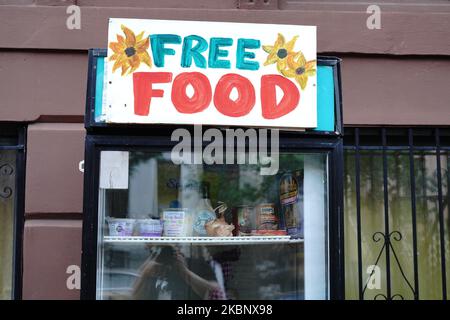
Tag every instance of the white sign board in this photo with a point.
(211, 73)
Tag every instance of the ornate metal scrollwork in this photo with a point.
(387, 242)
(6, 192)
(387, 298)
(6, 169)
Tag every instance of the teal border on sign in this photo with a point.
(99, 87)
(325, 95)
(325, 99)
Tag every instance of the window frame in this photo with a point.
(18, 133)
(300, 143)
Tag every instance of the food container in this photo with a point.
(176, 223)
(266, 218)
(120, 227)
(291, 202)
(149, 227)
(243, 220)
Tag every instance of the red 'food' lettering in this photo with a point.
(202, 92)
(243, 104)
(143, 90)
(291, 97)
(201, 99)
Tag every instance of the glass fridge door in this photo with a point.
(168, 231)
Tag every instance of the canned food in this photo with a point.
(243, 220)
(266, 218)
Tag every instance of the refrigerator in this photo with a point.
(272, 237)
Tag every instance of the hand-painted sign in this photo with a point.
(213, 73)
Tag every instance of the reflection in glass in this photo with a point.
(204, 272)
(131, 266)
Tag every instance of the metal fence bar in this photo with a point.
(15, 147)
(441, 215)
(396, 148)
(386, 211)
(437, 149)
(448, 195)
(413, 212)
(358, 211)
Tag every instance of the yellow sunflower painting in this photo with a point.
(300, 69)
(130, 51)
(290, 63)
(279, 52)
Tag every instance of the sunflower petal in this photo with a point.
(114, 56)
(310, 65)
(302, 81)
(121, 40)
(125, 67)
(130, 40)
(281, 65)
(143, 45)
(268, 49)
(121, 60)
(291, 61)
(132, 70)
(271, 58)
(290, 45)
(116, 47)
(300, 59)
(134, 61)
(140, 36)
(145, 58)
(290, 73)
(116, 65)
(310, 73)
(279, 42)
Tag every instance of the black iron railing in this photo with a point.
(12, 190)
(410, 141)
(6, 169)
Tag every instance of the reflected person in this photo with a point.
(165, 275)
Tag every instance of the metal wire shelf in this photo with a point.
(203, 240)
